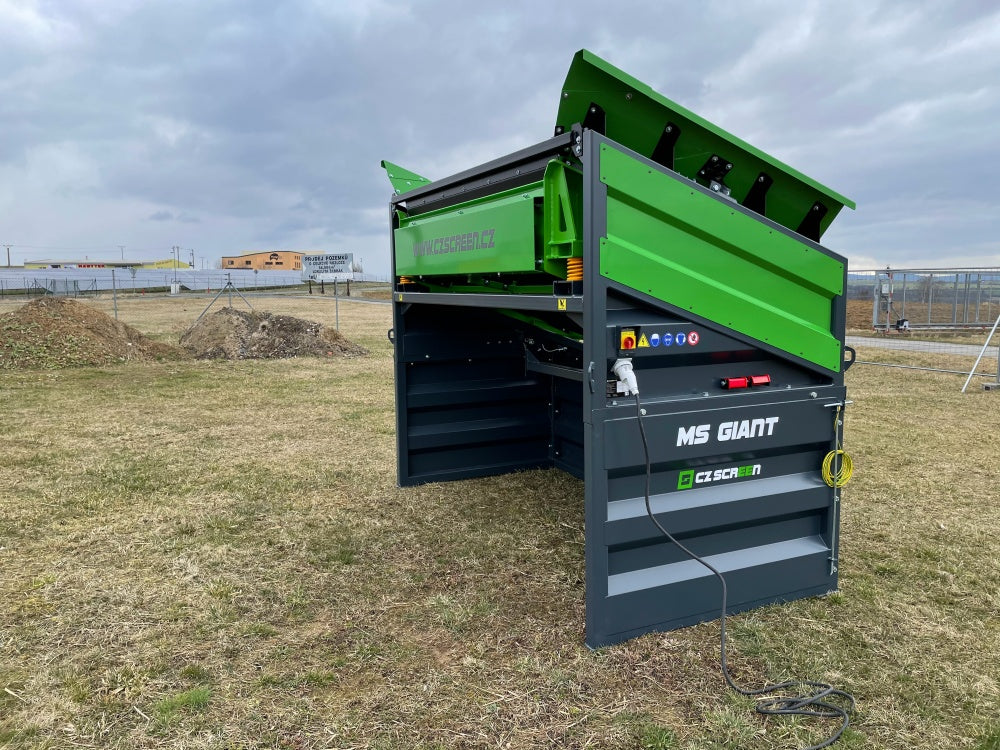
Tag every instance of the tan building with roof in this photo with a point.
(264, 260)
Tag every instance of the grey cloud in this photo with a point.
(255, 123)
(171, 216)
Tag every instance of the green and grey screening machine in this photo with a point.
(641, 247)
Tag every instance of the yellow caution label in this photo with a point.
(561, 303)
(643, 342)
(399, 297)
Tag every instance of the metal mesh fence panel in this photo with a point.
(936, 298)
(933, 319)
(165, 316)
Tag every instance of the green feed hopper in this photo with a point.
(639, 239)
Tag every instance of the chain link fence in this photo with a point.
(80, 282)
(937, 320)
(165, 315)
(934, 298)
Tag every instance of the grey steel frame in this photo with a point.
(775, 536)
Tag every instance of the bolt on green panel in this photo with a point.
(698, 253)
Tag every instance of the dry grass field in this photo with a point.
(215, 555)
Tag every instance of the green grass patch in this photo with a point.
(990, 739)
(171, 708)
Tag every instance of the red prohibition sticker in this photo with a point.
(693, 338)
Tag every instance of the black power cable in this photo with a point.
(814, 699)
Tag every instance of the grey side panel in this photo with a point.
(466, 406)
(735, 475)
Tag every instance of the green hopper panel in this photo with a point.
(490, 235)
(647, 122)
(700, 254)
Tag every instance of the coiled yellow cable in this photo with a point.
(841, 474)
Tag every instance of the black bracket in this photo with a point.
(576, 139)
(756, 198)
(810, 222)
(713, 174)
(664, 152)
(595, 119)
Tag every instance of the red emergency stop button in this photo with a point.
(627, 339)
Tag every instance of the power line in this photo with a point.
(107, 250)
(60, 247)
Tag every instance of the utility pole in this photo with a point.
(175, 254)
(122, 248)
(8, 256)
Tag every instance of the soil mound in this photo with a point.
(54, 332)
(238, 334)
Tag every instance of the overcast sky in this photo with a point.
(224, 127)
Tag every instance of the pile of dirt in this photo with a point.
(237, 334)
(55, 332)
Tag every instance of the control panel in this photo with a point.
(656, 339)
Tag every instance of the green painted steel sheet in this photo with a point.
(698, 253)
(490, 235)
(402, 179)
(636, 116)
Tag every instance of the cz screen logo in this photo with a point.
(688, 479)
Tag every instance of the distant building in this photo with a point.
(85, 264)
(264, 260)
(157, 264)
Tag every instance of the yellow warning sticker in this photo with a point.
(399, 298)
(643, 341)
(561, 303)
